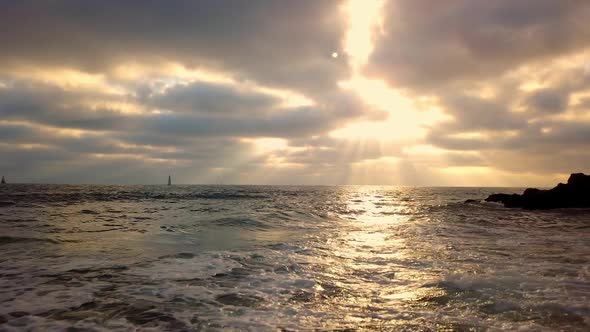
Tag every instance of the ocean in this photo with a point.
(287, 258)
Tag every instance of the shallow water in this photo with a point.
(292, 258)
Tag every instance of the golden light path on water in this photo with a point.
(369, 260)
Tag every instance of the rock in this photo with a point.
(579, 180)
(574, 194)
(531, 191)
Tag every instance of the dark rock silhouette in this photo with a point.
(574, 194)
(3, 181)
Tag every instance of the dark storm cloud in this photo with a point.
(281, 43)
(427, 43)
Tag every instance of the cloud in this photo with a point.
(33, 153)
(429, 43)
(197, 109)
(475, 113)
(202, 97)
(548, 101)
(278, 43)
(132, 90)
(510, 74)
(184, 127)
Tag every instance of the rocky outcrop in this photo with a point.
(574, 194)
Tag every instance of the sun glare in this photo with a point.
(405, 121)
(267, 145)
(364, 17)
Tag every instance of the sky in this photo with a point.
(382, 92)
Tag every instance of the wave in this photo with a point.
(14, 239)
(9, 199)
(239, 222)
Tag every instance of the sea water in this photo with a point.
(268, 258)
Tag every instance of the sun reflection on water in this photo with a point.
(372, 263)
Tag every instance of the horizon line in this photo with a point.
(268, 185)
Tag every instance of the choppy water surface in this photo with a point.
(292, 258)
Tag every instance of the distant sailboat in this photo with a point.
(3, 181)
(169, 180)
